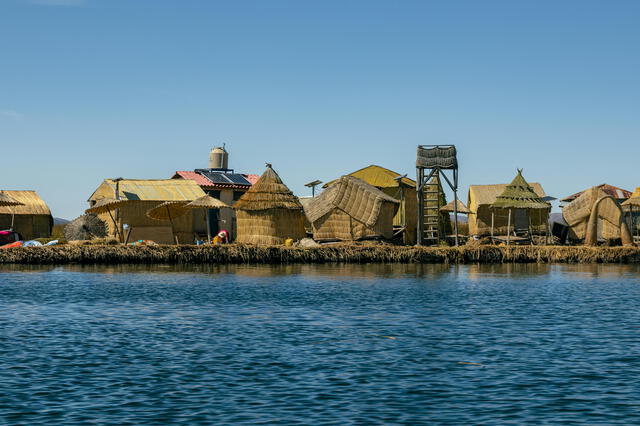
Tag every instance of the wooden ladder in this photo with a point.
(431, 213)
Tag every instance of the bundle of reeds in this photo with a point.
(339, 253)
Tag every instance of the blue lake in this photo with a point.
(363, 344)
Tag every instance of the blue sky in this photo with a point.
(91, 89)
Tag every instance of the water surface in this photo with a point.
(354, 344)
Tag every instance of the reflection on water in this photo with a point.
(354, 344)
(471, 272)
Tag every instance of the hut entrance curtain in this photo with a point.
(520, 219)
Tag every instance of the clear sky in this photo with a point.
(91, 89)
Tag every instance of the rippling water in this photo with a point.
(372, 344)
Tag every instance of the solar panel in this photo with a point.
(226, 178)
(238, 179)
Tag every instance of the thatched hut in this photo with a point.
(482, 197)
(32, 219)
(136, 197)
(396, 186)
(519, 200)
(631, 208)
(595, 216)
(268, 213)
(351, 209)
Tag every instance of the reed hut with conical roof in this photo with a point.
(268, 213)
(351, 209)
(522, 207)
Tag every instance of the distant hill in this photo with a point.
(557, 217)
(60, 221)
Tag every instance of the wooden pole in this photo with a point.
(115, 225)
(493, 213)
(13, 217)
(455, 214)
(206, 217)
(509, 228)
(173, 232)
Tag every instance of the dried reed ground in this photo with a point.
(235, 253)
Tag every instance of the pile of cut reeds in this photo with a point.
(339, 253)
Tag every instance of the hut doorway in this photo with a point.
(213, 216)
(521, 220)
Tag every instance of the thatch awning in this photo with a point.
(168, 210)
(207, 202)
(462, 209)
(105, 205)
(519, 195)
(634, 200)
(269, 192)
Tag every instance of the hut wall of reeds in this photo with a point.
(593, 216)
(402, 189)
(631, 209)
(268, 213)
(351, 209)
(143, 195)
(32, 219)
(482, 197)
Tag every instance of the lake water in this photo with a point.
(372, 344)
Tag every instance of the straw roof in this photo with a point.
(615, 192)
(30, 203)
(519, 195)
(462, 209)
(104, 205)
(354, 197)
(485, 195)
(378, 176)
(269, 192)
(207, 202)
(7, 201)
(149, 190)
(168, 210)
(634, 200)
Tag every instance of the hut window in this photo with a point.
(237, 195)
(214, 194)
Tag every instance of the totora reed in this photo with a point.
(237, 253)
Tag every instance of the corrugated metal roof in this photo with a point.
(487, 194)
(150, 190)
(33, 204)
(614, 191)
(377, 176)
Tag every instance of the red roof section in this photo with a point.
(197, 177)
(613, 191)
(205, 183)
(251, 178)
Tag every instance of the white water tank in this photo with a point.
(218, 158)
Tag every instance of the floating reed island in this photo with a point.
(251, 254)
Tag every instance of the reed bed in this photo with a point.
(237, 253)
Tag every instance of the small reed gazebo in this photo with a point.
(520, 197)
